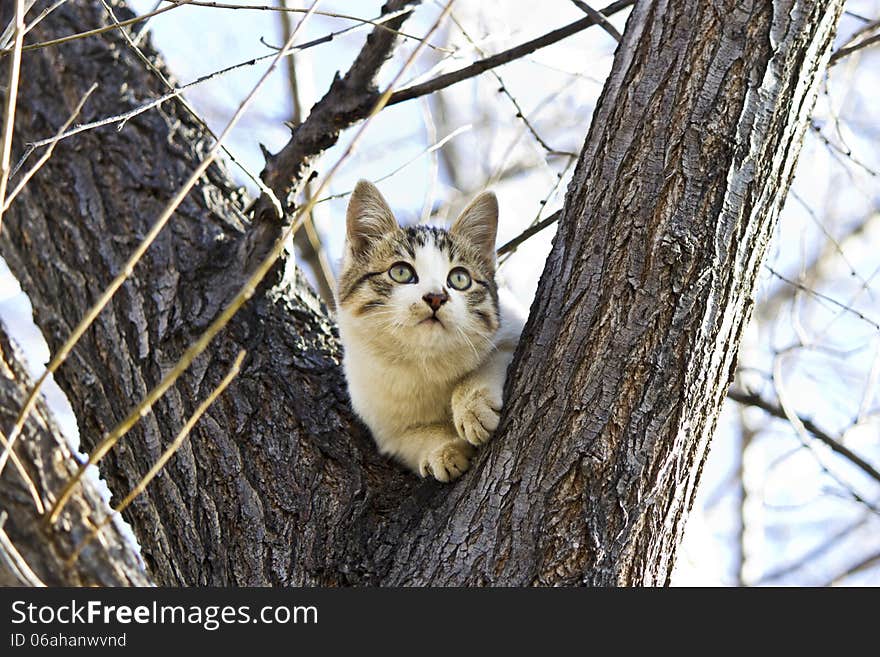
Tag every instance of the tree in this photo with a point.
(612, 397)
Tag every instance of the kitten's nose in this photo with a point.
(436, 300)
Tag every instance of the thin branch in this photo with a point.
(433, 161)
(48, 153)
(513, 244)
(12, 28)
(19, 467)
(857, 567)
(11, 98)
(819, 295)
(127, 116)
(189, 108)
(831, 239)
(503, 89)
(505, 57)
(811, 555)
(96, 31)
(844, 151)
(752, 399)
(308, 241)
(537, 224)
(427, 151)
(288, 10)
(43, 14)
(870, 26)
(170, 451)
(182, 3)
(770, 305)
(597, 16)
(145, 26)
(6, 149)
(246, 292)
(62, 353)
(849, 50)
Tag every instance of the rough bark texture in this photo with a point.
(618, 380)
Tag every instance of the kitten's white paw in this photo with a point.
(475, 413)
(448, 461)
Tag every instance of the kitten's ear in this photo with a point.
(478, 223)
(368, 217)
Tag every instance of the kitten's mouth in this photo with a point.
(431, 319)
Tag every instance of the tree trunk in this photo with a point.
(612, 397)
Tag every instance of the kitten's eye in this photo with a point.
(401, 272)
(459, 279)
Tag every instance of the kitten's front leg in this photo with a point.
(476, 401)
(432, 450)
(447, 461)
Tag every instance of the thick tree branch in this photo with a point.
(349, 99)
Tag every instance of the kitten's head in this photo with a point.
(420, 290)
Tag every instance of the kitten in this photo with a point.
(426, 339)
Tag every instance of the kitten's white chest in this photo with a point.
(394, 397)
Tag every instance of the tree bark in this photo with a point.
(618, 379)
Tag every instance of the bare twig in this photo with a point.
(752, 399)
(811, 555)
(308, 241)
(597, 16)
(189, 108)
(286, 9)
(537, 224)
(182, 3)
(94, 32)
(862, 564)
(770, 305)
(43, 14)
(170, 451)
(443, 81)
(502, 87)
(124, 117)
(434, 161)
(513, 244)
(819, 295)
(9, 108)
(241, 298)
(48, 153)
(19, 467)
(9, 33)
(5, 153)
(145, 26)
(849, 50)
(427, 151)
